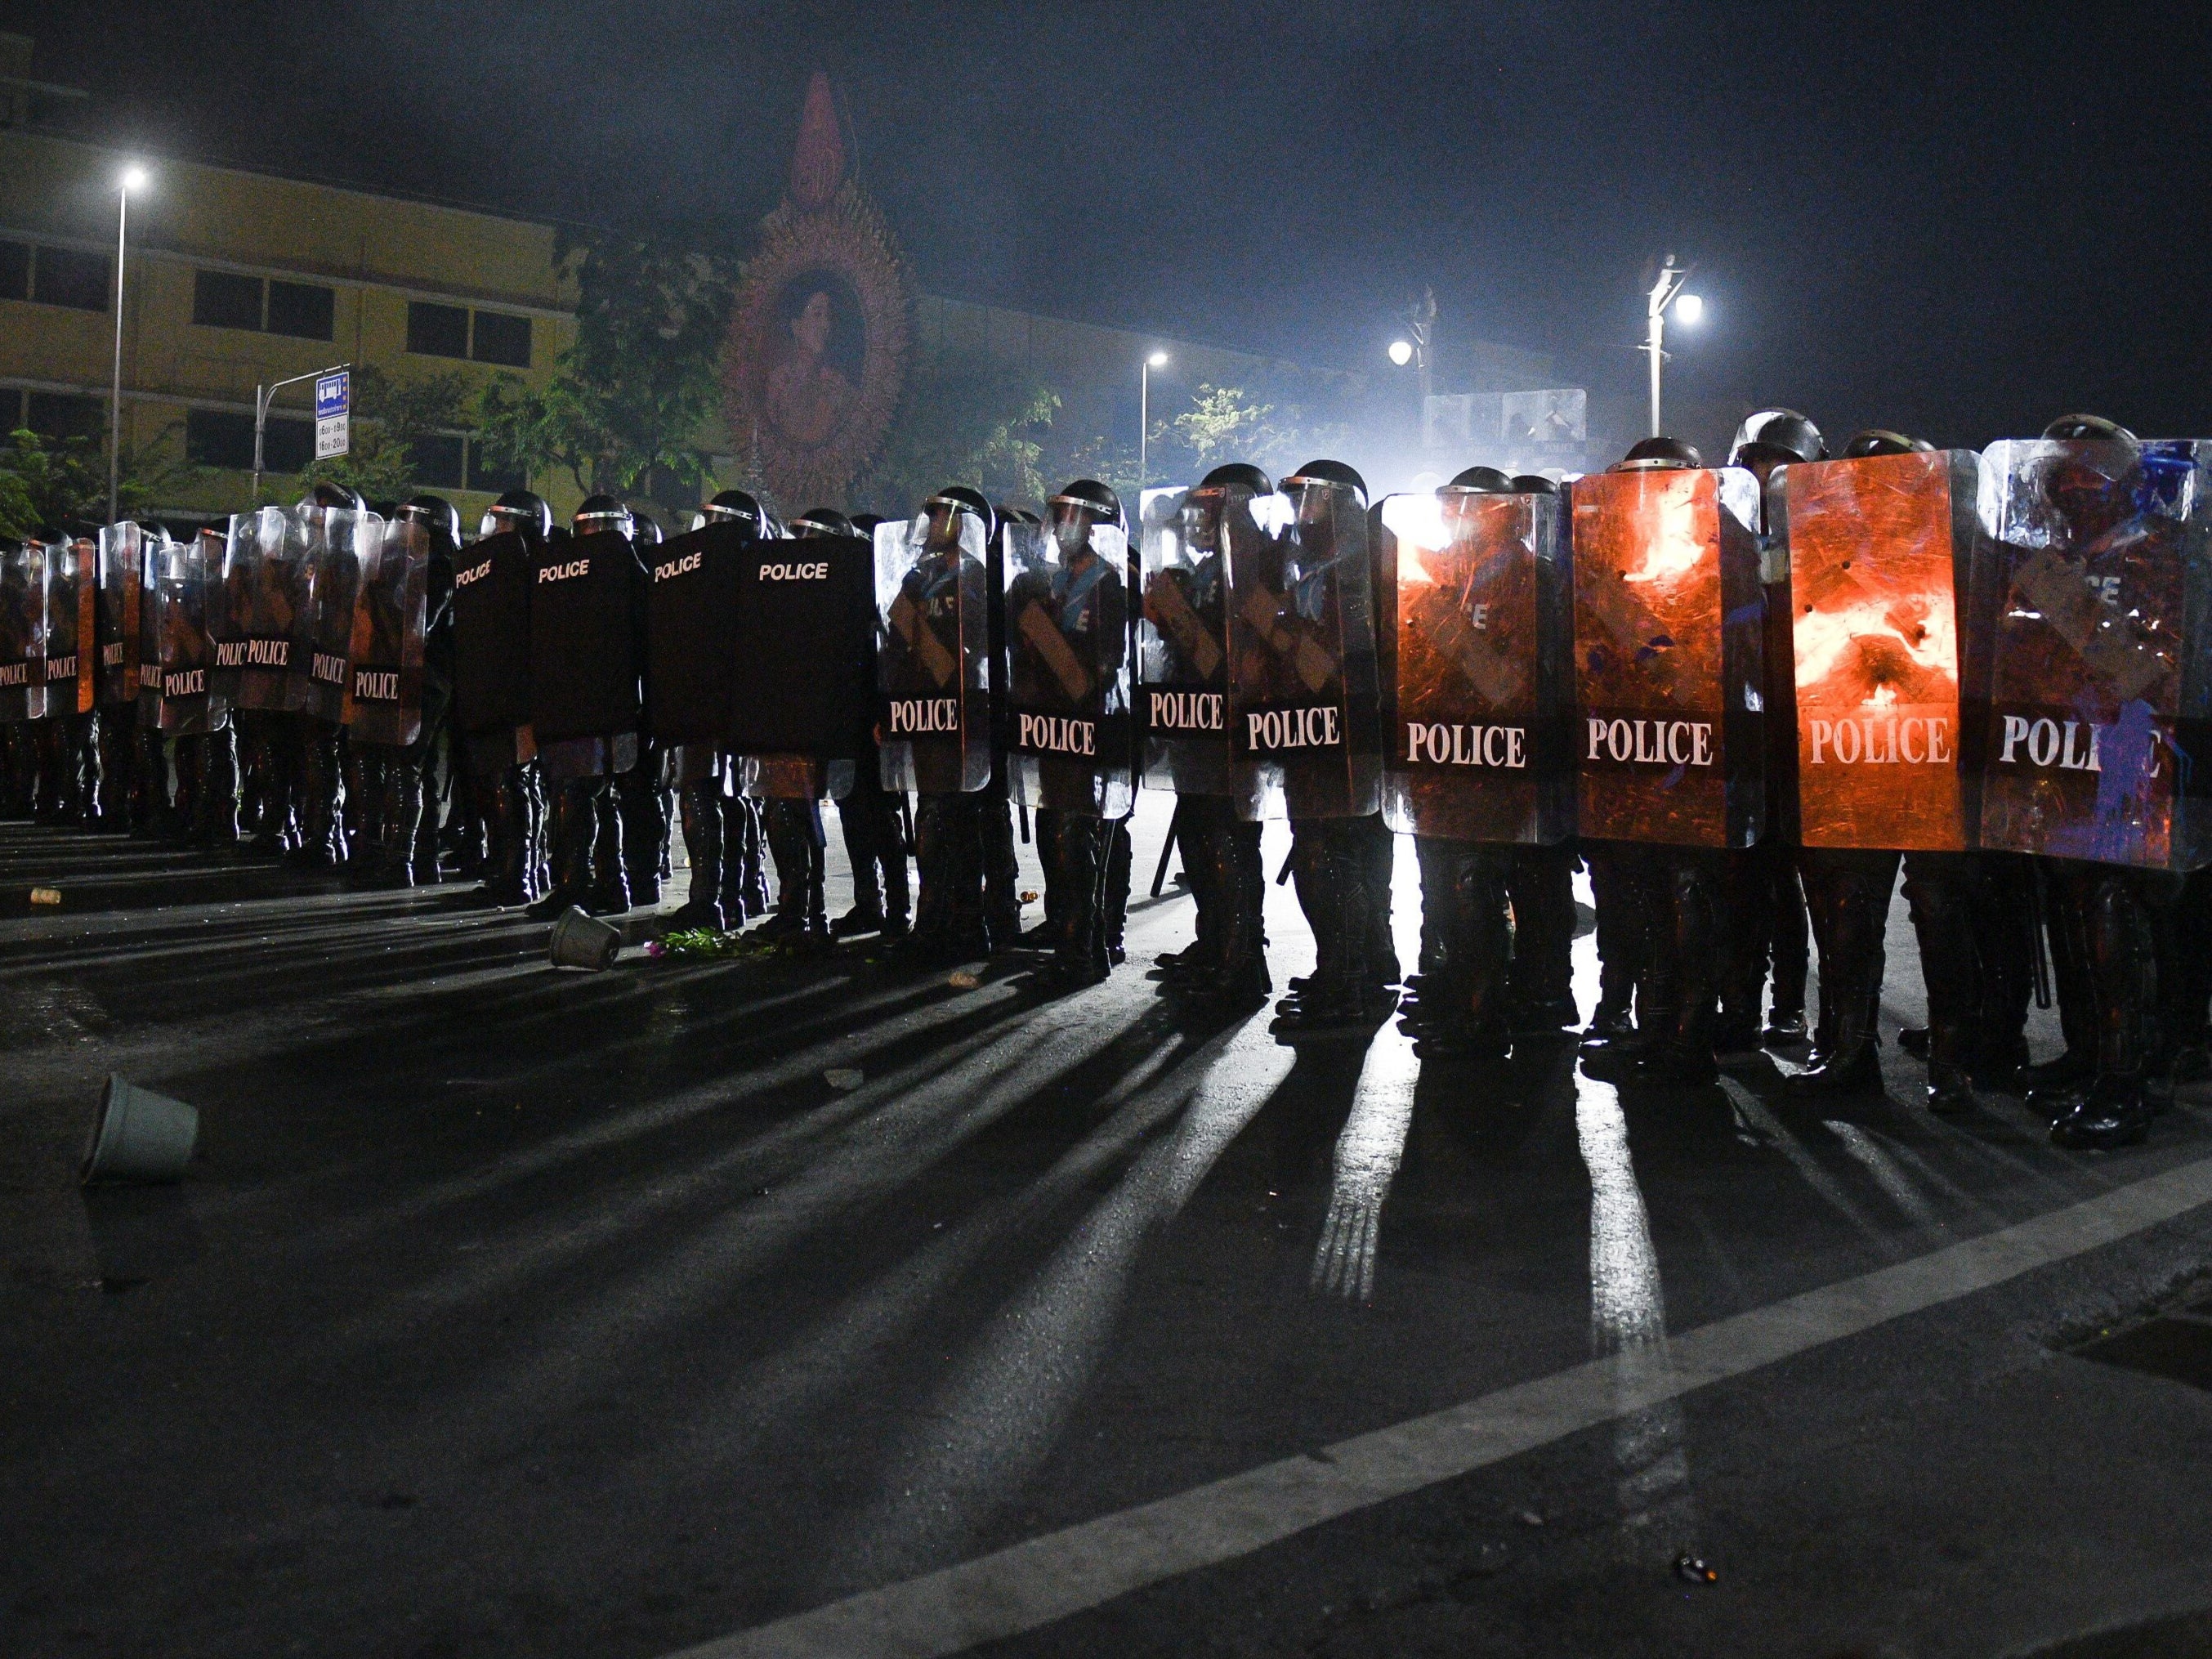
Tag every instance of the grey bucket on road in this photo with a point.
(580, 941)
(139, 1136)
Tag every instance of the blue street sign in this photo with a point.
(334, 394)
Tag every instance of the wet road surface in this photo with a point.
(509, 1311)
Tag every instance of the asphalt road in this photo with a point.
(516, 1311)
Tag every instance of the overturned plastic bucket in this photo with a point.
(139, 1136)
(582, 941)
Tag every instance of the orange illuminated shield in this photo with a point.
(1880, 550)
(1667, 616)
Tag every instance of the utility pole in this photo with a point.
(1664, 288)
(133, 177)
(265, 395)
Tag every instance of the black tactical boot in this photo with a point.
(699, 808)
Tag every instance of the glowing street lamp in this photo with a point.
(134, 177)
(1402, 352)
(1665, 290)
(1156, 360)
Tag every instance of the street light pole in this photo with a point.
(131, 179)
(1156, 360)
(265, 396)
(1665, 288)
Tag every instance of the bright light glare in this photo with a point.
(1688, 308)
(1157, 360)
(134, 177)
(1402, 352)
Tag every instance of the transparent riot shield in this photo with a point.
(338, 543)
(22, 632)
(260, 607)
(1070, 738)
(383, 688)
(2097, 609)
(1669, 616)
(72, 591)
(934, 668)
(1183, 647)
(1302, 710)
(1478, 691)
(122, 553)
(186, 580)
(146, 634)
(1880, 554)
(805, 631)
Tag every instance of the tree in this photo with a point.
(634, 390)
(1227, 424)
(981, 429)
(44, 483)
(396, 415)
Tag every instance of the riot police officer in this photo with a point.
(497, 754)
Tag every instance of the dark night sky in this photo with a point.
(1961, 221)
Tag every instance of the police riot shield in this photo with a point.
(1182, 647)
(72, 628)
(1302, 711)
(383, 684)
(691, 632)
(122, 552)
(1478, 693)
(2096, 608)
(186, 577)
(1070, 737)
(1880, 553)
(22, 632)
(147, 632)
(338, 544)
(806, 633)
(585, 657)
(492, 583)
(934, 667)
(1670, 618)
(260, 607)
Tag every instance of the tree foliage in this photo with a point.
(1228, 423)
(984, 428)
(47, 481)
(633, 393)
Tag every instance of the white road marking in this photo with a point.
(1050, 1577)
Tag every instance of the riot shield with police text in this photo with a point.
(338, 543)
(2097, 609)
(1669, 618)
(72, 628)
(1478, 690)
(1182, 647)
(147, 632)
(586, 609)
(186, 579)
(492, 583)
(1302, 709)
(806, 638)
(1880, 553)
(690, 632)
(122, 553)
(384, 658)
(1070, 736)
(22, 632)
(261, 604)
(935, 665)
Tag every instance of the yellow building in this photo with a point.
(234, 279)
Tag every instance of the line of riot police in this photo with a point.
(1740, 696)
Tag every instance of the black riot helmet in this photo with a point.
(738, 506)
(1781, 436)
(1881, 440)
(2089, 427)
(433, 513)
(1092, 500)
(1238, 475)
(644, 529)
(1658, 455)
(1533, 484)
(328, 494)
(821, 521)
(864, 524)
(518, 509)
(601, 513)
(1327, 474)
(953, 500)
(1480, 480)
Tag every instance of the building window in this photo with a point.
(215, 437)
(60, 414)
(15, 270)
(437, 331)
(436, 461)
(302, 310)
(11, 408)
(67, 277)
(483, 474)
(502, 339)
(222, 299)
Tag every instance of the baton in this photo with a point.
(906, 824)
(1022, 808)
(2039, 968)
(1167, 851)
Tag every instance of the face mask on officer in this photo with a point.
(1071, 528)
(946, 521)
